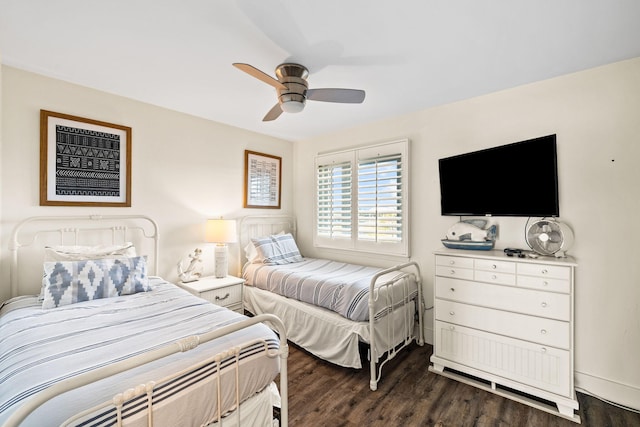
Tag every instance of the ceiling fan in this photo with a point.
(293, 90)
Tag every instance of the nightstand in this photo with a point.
(226, 291)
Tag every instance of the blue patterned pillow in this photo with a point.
(69, 282)
(278, 249)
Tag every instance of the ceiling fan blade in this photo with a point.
(347, 96)
(273, 114)
(260, 75)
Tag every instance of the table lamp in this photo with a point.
(221, 231)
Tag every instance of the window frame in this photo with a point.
(355, 156)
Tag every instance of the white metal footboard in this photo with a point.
(148, 389)
(386, 328)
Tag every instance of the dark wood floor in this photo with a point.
(322, 394)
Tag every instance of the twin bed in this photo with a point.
(330, 308)
(103, 342)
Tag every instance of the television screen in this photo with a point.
(518, 179)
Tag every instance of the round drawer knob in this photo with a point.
(545, 283)
(544, 271)
(451, 328)
(453, 272)
(544, 305)
(543, 349)
(543, 331)
(452, 313)
(453, 289)
(494, 277)
(452, 262)
(494, 266)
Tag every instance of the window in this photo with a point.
(362, 199)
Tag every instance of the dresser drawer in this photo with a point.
(497, 266)
(454, 261)
(461, 273)
(229, 296)
(547, 368)
(543, 270)
(525, 301)
(539, 330)
(494, 277)
(544, 283)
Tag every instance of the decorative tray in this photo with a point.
(469, 244)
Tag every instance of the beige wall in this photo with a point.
(185, 169)
(596, 116)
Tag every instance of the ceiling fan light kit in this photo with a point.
(293, 89)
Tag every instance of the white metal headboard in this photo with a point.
(30, 236)
(254, 226)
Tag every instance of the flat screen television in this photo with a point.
(519, 179)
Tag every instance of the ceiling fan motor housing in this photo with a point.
(293, 76)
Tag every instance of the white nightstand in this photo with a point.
(226, 292)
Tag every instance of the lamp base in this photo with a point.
(221, 262)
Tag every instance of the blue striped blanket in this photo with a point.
(336, 286)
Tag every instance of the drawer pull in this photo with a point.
(544, 271)
(453, 289)
(452, 262)
(543, 349)
(453, 272)
(452, 313)
(494, 266)
(494, 277)
(219, 298)
(544, 304)
(543, 331)
(545, 283)
(451, 328)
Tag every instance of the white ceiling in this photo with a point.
(406, 54)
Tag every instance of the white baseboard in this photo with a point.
(623, 394)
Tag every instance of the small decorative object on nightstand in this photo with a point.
(226, 291)
(221, 231)
(193, 270)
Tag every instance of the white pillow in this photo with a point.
(77, 252)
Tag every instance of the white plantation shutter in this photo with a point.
(334, 200)
(362, 199)
(380, 199)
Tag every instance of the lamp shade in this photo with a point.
(221, 231)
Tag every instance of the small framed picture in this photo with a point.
(262, 174)
(83, 162)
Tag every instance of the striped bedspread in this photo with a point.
(39, 348)
(337, 286)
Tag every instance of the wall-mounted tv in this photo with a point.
(519, 179)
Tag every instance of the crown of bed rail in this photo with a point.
(82, 223)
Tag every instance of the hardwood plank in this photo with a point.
(323, 394)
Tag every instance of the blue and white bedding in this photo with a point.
(337, 286)
(41, 347)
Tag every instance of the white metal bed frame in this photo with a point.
(257, 226)
(120, 230)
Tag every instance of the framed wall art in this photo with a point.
(83, 162)
(262, 175)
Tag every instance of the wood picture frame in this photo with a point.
(262, 180)
(84, 162)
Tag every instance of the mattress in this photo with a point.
(39, 348)
(337, 286)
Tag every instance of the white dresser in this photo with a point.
(508, 323)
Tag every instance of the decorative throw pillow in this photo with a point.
(277, 250)
(69, 282)
(79, 252)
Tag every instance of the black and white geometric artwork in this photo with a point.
(84, 162)
(87, 162)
